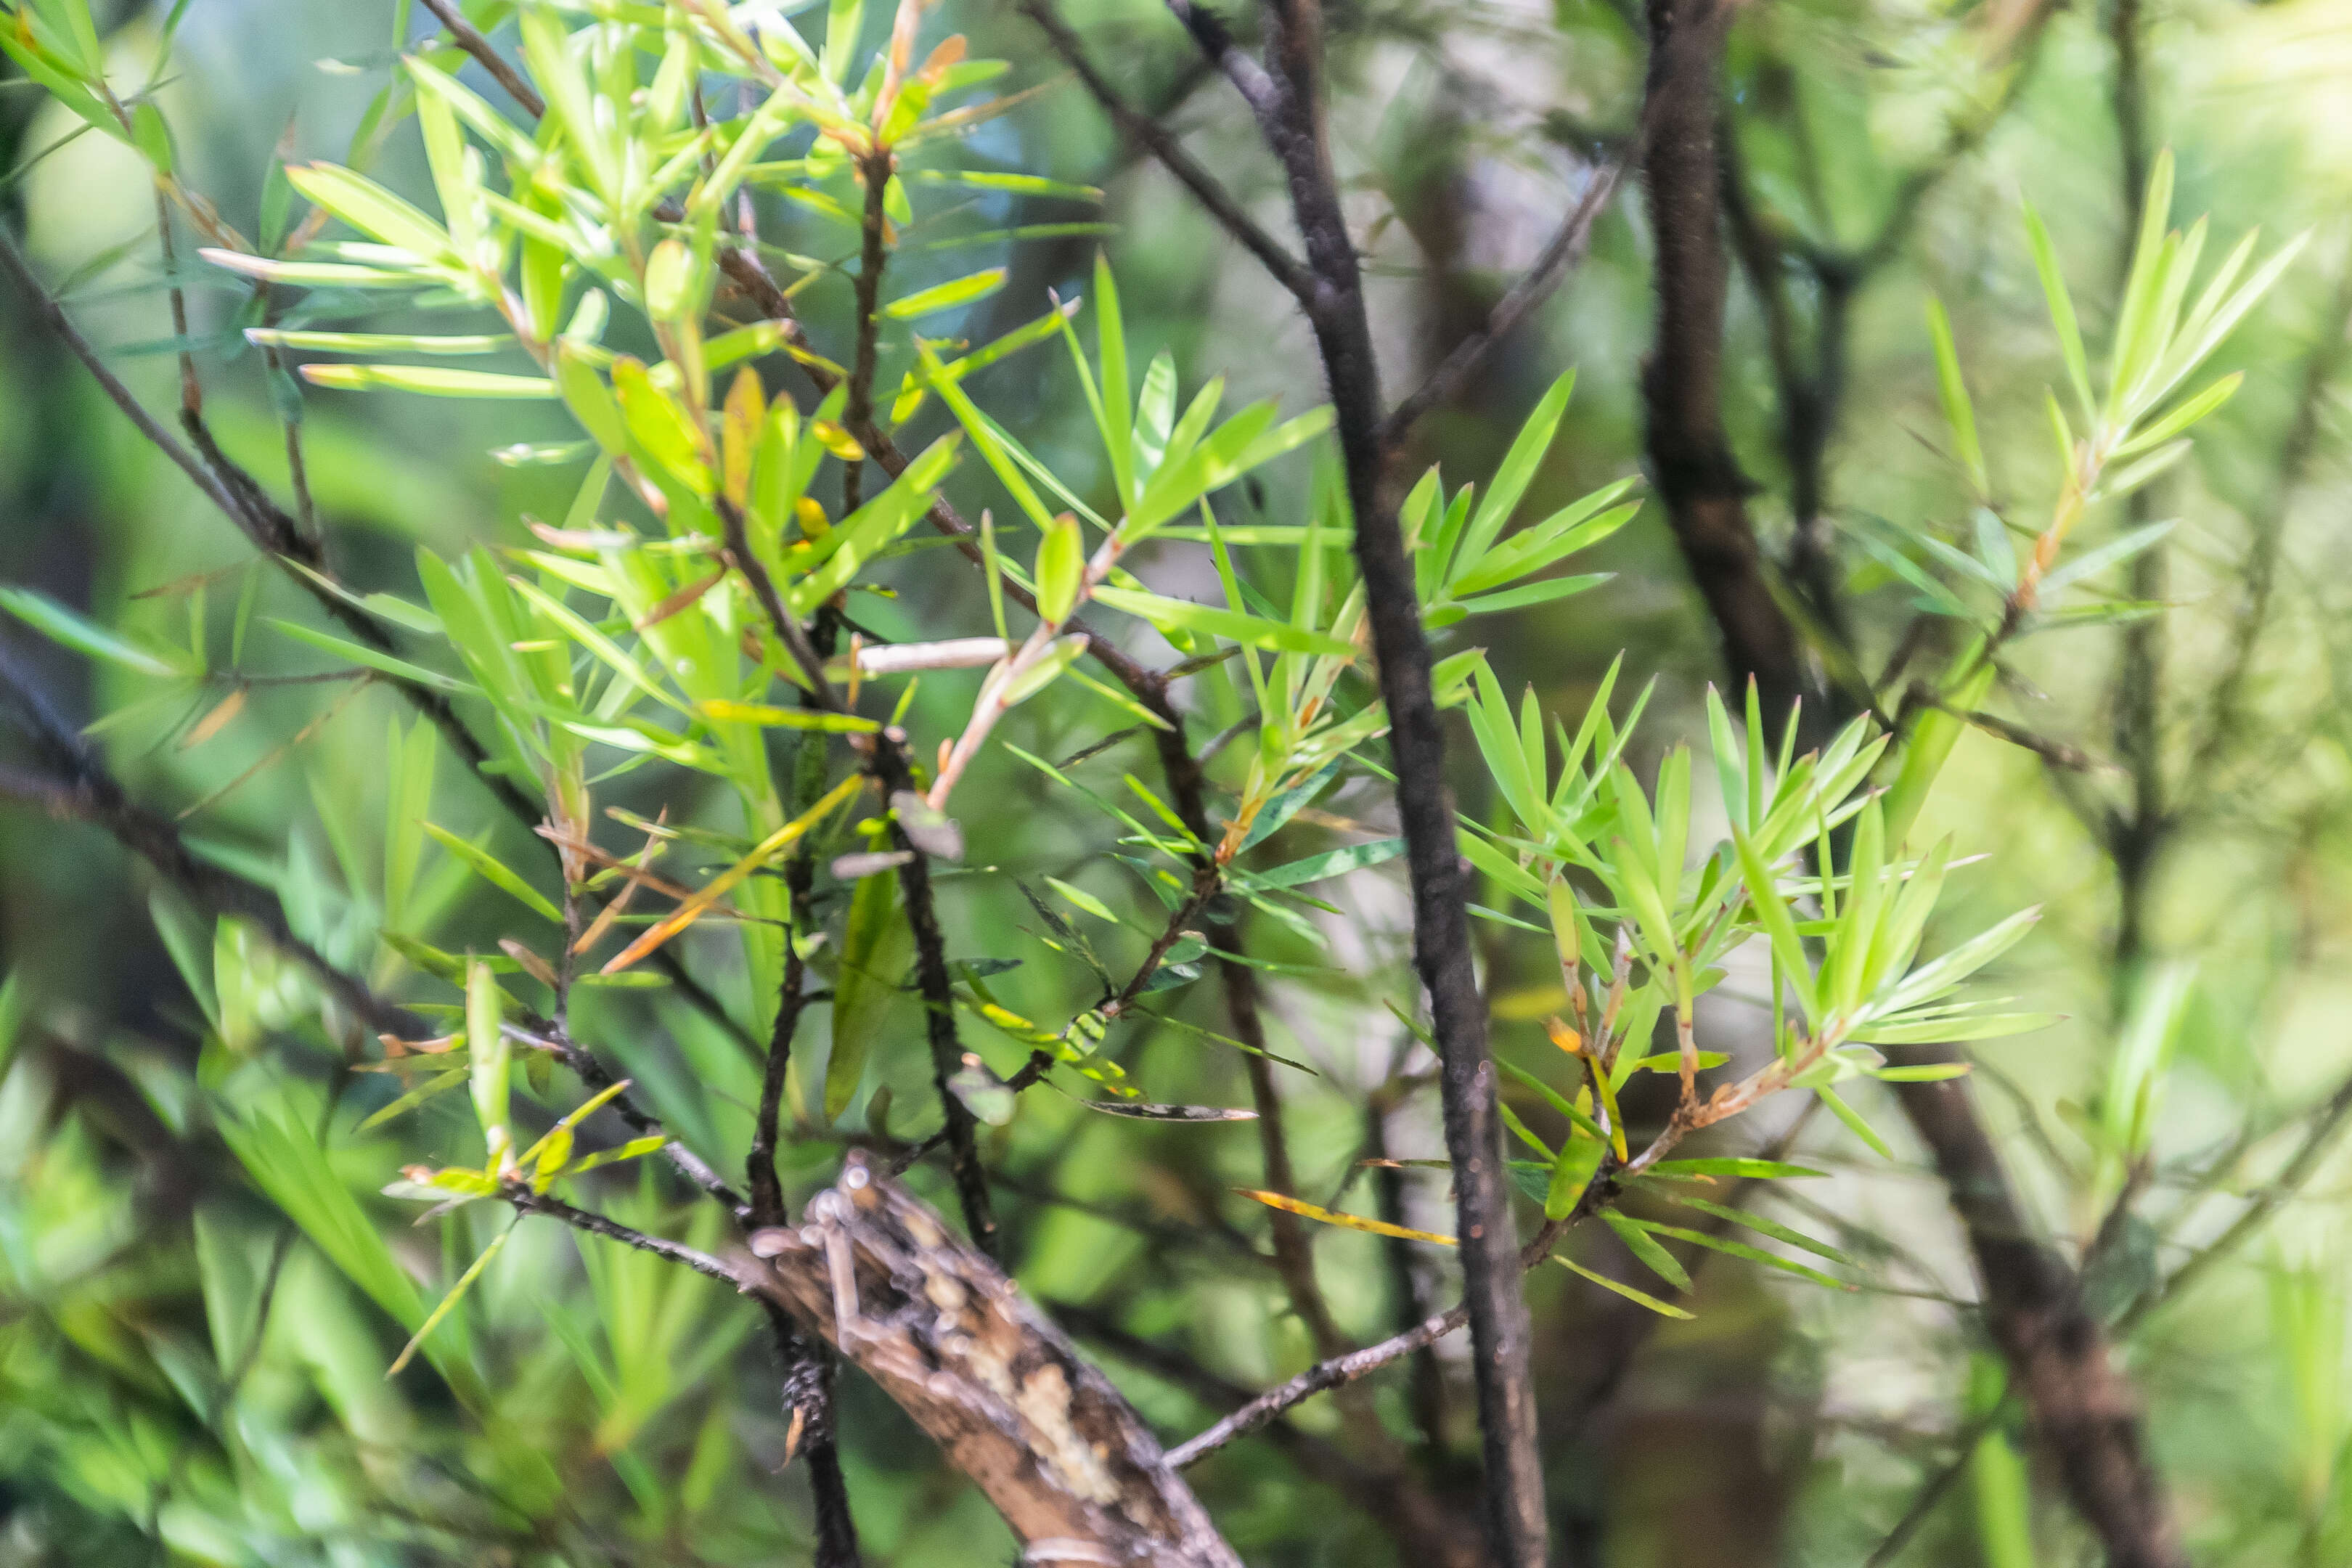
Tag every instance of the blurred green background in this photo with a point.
(635, 1417)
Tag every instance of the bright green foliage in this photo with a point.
(687, 765)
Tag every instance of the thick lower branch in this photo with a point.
(940, 1329)
(2083, 1408)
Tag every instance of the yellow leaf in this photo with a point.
(775, 844)
(1350, 1221)
(212, 723)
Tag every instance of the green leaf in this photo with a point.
(636, 1148)
(63, 81)
(1939, 976)
(370, 208)
(2062, 310)
(945, 296)
(1744, 1169)
(315, 274)
(769, 716)
(844, 22)
(1741, 1249)
(610, 652)
(287, 1164)
(1643, 1246)
(1571, 1173)
(591, 402)
(60, 624)
(378, 342)
(661, 426)
(492, 871)
(1334, 863)
(2190, 412)
(1513, 476)
(1772, 914)
(1852, 1119)
(1061, 566)
(1532, 594)
(430, 1089)
(1559, 1102)
(862, 535)
(1959, 412)
(359, 654)
(1639, 1298)
(410, 760)
(1276, 813)
(1084, 900)
(873, 949)
(1020, 185)
(433, 381)
(1772, 1228)
(1184, 614)
(546, 51)
(915, 387)
(1346, 1221)
(151, 135)
(449, 1302)
(489, 1052)
(1948, 1029)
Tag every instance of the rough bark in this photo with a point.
(1691, 461)
(981, 1369)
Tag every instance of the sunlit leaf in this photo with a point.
(1346, 1221)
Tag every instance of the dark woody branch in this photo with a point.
(2083, 1408)
(886, 758)
(1691, 461)
(469, 38)
(1289, 118)
(1162, 144)
(2057, 1353)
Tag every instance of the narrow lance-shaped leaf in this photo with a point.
(495, 872)
(711, 892)
(486, 1048)
(873, 949)
(1346, 1221)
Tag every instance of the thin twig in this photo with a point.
(2299, 1170)
(529, 1202)
(469, 38)
(54, 315)
(1566, 248)
(1924, 1502)
(591, 1071)
(1285, 268)
(800, 872)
